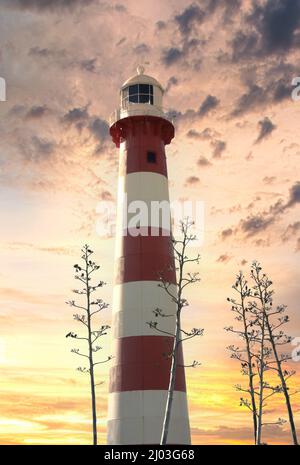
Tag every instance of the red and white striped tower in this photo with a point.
(140, 374)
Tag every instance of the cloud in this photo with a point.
(269, 180)
(36, 148)
(36, 112)
(242, 45)
(208, 104)
(294, 195)
(100, 131)
(259, 222)
(43, 146)
(64, 59)
(190, 16)
(249, 100)
(192, 180)
(185, 48)
(282, 90)
(106, 195)
(266, 128)
(121, 41)
(206, 134)
(160, 25)
(193, 16)
(141, 48)
(255, 224)
(231, 7)
(269, 27)
(242, 433)
(45, 5)
(43, 416)
(58, 250)
(89, 65)
(226, 233)
(270, 86)
(173, 81)
(224, 258)
(121, 8)
(98, 128)
(12, 294)
(291, 231)
(172, 55)
(219, 147)
(76, 115)
(277, 22)
(203, 161)
(266, 84)
(47, 52)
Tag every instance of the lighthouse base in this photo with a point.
(136, 417)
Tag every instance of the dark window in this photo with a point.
(144, 89)
(138, 93)
(143, 98)
(134, 98)
(151, 157)
(133, 89)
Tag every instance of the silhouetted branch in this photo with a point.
(83, 274)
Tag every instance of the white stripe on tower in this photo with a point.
(134, 304)
(135, 417)
(137, 189)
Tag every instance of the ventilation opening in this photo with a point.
(151, 157)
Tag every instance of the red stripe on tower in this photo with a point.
(140, 373)
(143, 364)
(145, 258)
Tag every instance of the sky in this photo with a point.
(227, 67)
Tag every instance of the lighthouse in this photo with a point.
(139, 376)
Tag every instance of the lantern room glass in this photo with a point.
(137, 93)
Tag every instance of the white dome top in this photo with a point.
(141, 78)
(140, 101)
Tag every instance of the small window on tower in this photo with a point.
(151, 157)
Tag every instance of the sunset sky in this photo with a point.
(227, 67)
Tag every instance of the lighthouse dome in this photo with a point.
(140, 95)
(141, 78)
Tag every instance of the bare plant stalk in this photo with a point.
(256, 354)
(90, 308)
(262, 285)
(247, 334)
(261, 371)
(90, 346)
(284, 388)
(183, 280)
(168, 410)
